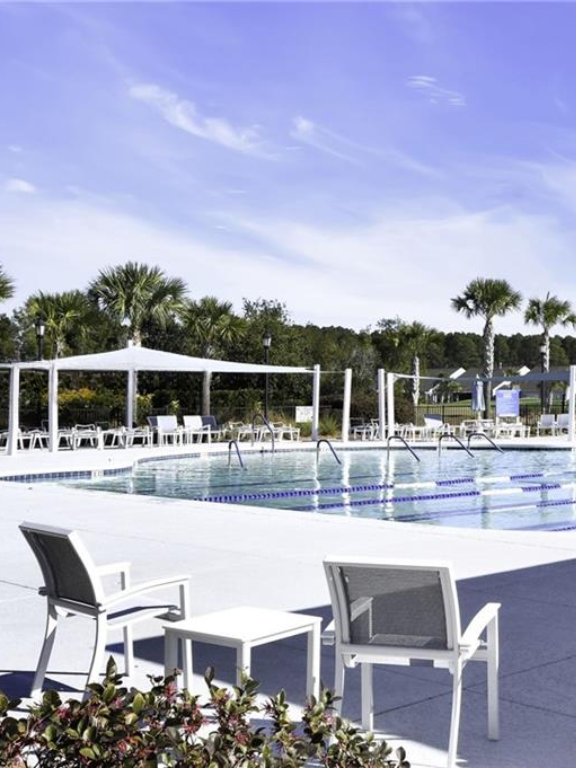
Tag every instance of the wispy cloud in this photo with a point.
(15, 148)
(344, 148)
(184, 115)
(434, 93)
(320, 138)
(19, 186)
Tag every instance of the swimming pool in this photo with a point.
(528, 490)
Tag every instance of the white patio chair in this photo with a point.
(73, 587)
(563, 423)
(546, 423)
(168, 430)
(396, 611)
(193, 427)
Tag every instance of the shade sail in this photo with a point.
(144, 359)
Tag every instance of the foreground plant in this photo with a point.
(165, 726)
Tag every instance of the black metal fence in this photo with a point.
(454, 413)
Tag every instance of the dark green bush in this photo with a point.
(165, 726)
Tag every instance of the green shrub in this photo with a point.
(305, 428)
(329, 426)
(117, 727)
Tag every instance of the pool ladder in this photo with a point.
(329, 444)
(404, 443)
(485, 436)
(234, 444)
(448, 436)
(268, 426)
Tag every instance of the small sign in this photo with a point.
(508, 402)
(304, 414)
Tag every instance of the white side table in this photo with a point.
(243, 628)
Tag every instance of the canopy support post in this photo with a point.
(572, 407)
(53, 408)
(130, 394)
(390, 398)
(14, 412)
(346, 404)
(382, 403)
(316, 403)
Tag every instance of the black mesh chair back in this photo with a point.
(397, 607)
(65, 567)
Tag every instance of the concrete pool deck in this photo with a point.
(242, 555)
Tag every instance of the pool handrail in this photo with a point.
(238, 453)
(484, 435)
(329, 444)
(268, 426)
(454, 437)
(404, 442)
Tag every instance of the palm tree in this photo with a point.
(62, 313)
(135, 293)
(212, 325)
(487, 298)
(547, 313)
(417, 336)
(6, 285)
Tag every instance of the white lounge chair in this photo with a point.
(193, 427)
(73, 586)
(546, 423)
(394, 611)
(563, 423)
(85, 433)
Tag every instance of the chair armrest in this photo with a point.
(471, 637)
(111, 568)
(329, 634)
(147, 586)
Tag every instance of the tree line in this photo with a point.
(143, 304)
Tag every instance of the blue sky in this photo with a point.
(355, 160)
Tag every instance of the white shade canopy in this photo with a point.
(144, 359)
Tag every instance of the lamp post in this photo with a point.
(40, 327)
(267, 344)
(542, 383)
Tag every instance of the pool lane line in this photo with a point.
(237, 498)
(435, 497)
(488, 510)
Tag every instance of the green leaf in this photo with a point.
(138, 703)
(88, 752)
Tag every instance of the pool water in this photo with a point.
(528, 490)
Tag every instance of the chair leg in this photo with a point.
(128, 650)
(492, 673)
(339, 674)
(455, 719)
(367, 696)
(98, 652)
(49, 636)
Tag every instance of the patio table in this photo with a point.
(243, 628)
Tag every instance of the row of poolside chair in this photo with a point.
(385, 612)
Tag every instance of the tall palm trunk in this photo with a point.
(547, 393)
(206, 382)
(415, 381)
(488, 371)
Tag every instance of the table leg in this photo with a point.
(187, 667)
(170, 653)
(313, 668)
(242, 661)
